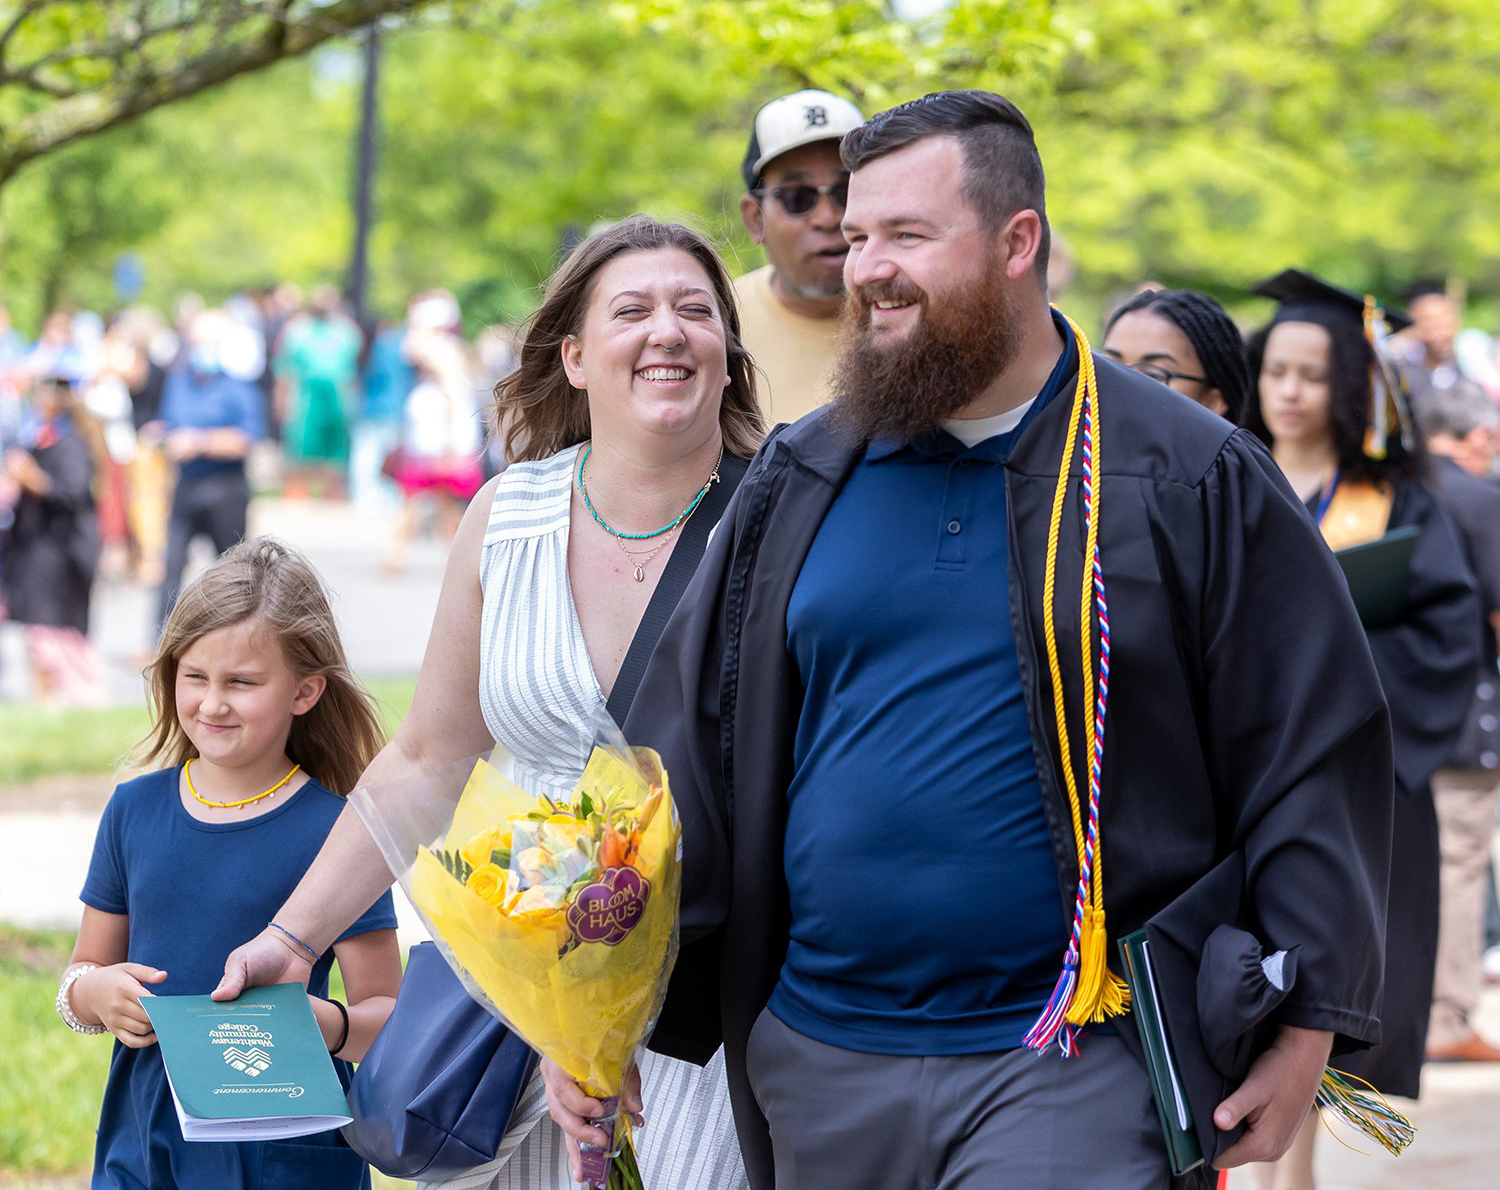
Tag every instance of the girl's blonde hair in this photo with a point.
(269, 582)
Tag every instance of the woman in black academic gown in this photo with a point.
(1320, 400)
(54, 545)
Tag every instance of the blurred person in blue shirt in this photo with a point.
(209, 420)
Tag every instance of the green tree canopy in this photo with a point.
(72, 68)
(1192, 143)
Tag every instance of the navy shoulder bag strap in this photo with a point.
(674, 580)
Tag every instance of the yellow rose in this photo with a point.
(478, 850)
(487, 881)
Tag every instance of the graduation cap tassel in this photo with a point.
(1365, 1110)
(1376, 445)
(1390, 414)
(1086, 991)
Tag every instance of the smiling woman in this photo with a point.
(546, 405)
(627, 422)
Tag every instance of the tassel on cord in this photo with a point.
(1052, 1025)
(1390, 412)
(1101, 993)
(1365, 1110)
(1091, 970)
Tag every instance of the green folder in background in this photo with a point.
(1167, 1088)
(1377, 572)
(255, 1068)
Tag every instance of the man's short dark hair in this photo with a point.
(1002, 168)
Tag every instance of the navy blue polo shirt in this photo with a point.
(925, 910)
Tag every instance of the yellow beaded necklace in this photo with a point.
(187, 772)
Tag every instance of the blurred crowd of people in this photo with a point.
(127, 440)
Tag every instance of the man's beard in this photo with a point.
(905, 389)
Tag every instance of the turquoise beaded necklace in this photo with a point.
(712, 479)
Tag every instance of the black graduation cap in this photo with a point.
(1302, 297)
(1216, 990)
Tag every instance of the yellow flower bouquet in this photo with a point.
(559, 914)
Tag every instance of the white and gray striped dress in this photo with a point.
(539, 695)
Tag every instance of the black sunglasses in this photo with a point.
(799, 199)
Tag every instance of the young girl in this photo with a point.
(265, 729)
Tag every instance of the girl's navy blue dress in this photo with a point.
(193, 892)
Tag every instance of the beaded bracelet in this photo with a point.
(315, 955)
(65, 1005)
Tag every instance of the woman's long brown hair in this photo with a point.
(272, 584)
(539, 413)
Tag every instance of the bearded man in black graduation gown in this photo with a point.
(855, 704)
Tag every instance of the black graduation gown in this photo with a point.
(54, 544)
(1427, 665)
(1245, 714)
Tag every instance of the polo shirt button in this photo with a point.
(954, 527)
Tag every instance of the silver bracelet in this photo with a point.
(65, 1007)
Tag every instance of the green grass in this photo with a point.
(52, 1080)
(49, 741)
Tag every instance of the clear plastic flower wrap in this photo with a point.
(557, 910)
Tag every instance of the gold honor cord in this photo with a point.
(1100, 994)
(1086, 991)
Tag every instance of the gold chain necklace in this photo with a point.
(187, 773)
(639, 560)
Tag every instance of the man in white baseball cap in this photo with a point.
(795, 190)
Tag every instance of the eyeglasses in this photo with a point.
(1165, 375)
(798, 200)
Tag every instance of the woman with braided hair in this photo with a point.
(1186, 341)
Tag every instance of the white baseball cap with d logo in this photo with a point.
(802, 118)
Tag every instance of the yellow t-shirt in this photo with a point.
(795, 354)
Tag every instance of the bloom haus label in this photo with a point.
(609, 909)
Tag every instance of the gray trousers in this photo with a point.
(1013, 1120)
